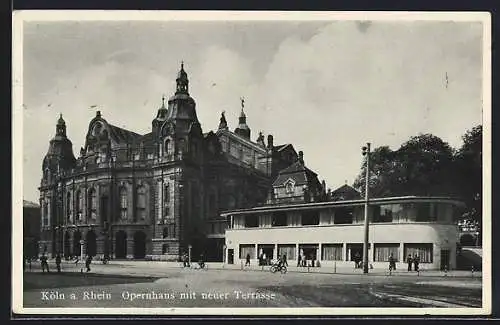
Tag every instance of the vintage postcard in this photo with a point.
(251, 163)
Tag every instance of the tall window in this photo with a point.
(382, 252)
(45, 219)
(166, 200)
(288, 250)
(247, 249)
(141, 203)
(123, 203)
(289, 188)
(423, 251)
(166, 147)
(68, 207)
(426, 212)
(92, 204)
(331, 252)
(79, 204)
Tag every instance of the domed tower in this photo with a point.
(60, 154)
(161, 117)
(182, 107)
(243, 130)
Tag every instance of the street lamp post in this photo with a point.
(366, 152)
(189, 253)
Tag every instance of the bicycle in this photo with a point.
(278, 267)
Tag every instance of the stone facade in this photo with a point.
(156, 195)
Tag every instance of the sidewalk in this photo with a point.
(255, 268)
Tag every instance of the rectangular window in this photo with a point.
(310, 218)
(279, 219)
(166, 200)
(423, 251)
(382, 213)
(288, 250)
(251, 221)
(423, 212)
(331, 252)
(343, 216)
(246, 249)
(382, 252)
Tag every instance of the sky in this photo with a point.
(327, 87)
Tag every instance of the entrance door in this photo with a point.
(77, 248)
(230, 256)
(139, 244)
(445, 259)
(91, 243)
(121, 244)
(67, 245)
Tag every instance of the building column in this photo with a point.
(318, 253)
(344, 252)
(401, 253)
(256, 252)
(297, 254)
(275, 257)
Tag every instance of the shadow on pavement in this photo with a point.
(72, 279)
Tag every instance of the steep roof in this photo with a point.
(121, 135)
(298, 172)
(345, 192)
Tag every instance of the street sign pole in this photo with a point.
(366, 152)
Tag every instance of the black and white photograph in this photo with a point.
(251, 163)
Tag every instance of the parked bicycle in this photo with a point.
(278, 267)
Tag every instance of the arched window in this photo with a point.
(165, 232)
(166, 200)
(289, 188)
(79, 204)
(68, 207)
(123, 203)
(166, 147)
(92, 204)
(141, 203)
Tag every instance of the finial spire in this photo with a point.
(242, 102)
(163, 101)
(182, 65)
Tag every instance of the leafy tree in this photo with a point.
(469, 172)
(421, 166)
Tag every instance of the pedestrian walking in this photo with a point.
(58, 263)
(392, 263)
(285, 262)
(44, 263)
(247, 262)
(88, 261)
(304, 260)
(264, 259)
(409, 260)
(416, 262)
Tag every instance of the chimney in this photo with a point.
(301, 157)
(270, 144)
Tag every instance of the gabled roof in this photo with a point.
(120, 135)
(298, 172)
(345, 192)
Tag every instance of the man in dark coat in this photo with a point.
(58, 263)
(409, 260)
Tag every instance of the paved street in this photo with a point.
(157, 284)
